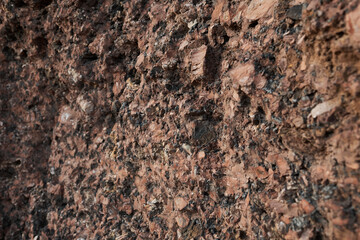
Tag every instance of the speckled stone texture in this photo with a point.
(179, 119)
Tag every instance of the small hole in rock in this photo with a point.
(253, 24)
(17, 162)
(243, 235)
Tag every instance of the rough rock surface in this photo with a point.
(191, 119)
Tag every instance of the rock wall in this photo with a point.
(191, 119)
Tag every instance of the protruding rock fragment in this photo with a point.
(217, 10)
(295, 12)
(85, 105)
(259, 8)
(282, 165)
(75, 77)
(180, 203)
(242, 75)
(325, 107)
(187, 148)
(203, 62)
(182, 220)
(261, 172)
(198, 62)
(201, 154)
(100, 44)
(67, 116)
(306, 206)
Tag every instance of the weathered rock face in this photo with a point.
(179, 119)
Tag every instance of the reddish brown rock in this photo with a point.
(325, 107)
(180, 203)
(242, 75)
(179, 119)
(282, 165)
(182, 220)
(353, 25)
(306, 206)
(259, 8)
(197, 62)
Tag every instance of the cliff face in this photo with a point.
(179, 119)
